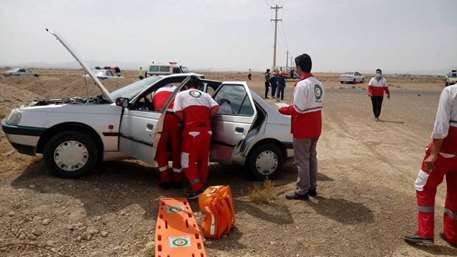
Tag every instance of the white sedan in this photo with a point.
(351, 77)
(74, 134)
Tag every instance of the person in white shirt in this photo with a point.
(377, 87)
(440, 161)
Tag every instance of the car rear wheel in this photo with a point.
(265, 161)
(70, 154)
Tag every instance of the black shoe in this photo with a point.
(295, 196)
(417, 240)
(165, 185)
(194, 195)
(443, 236)
(312, 192)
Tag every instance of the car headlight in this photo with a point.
(14, 118)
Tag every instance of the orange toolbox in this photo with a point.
(177, 232)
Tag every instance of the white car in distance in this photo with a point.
(351, 77)
(19, 72)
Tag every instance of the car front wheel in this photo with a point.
(70, 154)
(265, 161)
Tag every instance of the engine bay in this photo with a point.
(71, 100)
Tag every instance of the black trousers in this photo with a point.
(267, 88)
(376, 102)
(273, 90)
(280, 93)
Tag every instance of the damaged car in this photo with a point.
(74, 134)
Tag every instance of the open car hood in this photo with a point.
(105, 92)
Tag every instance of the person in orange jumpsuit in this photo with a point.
(170, 138)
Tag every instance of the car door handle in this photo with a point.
(239, 130)
(150, 126)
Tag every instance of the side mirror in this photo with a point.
(122, 102)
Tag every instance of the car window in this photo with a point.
(153, 68)
(210, 90)
(164, 69)
(234, 100)
(133, 89)
(145, 102)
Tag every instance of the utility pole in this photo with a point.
(276, 20)
(287, 59)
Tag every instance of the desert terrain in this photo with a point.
(366, 201)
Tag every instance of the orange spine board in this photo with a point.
(177, 232)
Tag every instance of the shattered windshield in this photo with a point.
(133, 89)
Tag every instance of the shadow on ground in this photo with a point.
(118, 184)
(343, 211)
(437, 249)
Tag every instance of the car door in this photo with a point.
(138, 134)
(141, 127)
(232, 123)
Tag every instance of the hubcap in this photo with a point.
(71, 155)
(267, 162)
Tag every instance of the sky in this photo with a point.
(399, 36)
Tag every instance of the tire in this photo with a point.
(265, 151)
(354, 81)
(79, 147)
(342, 82)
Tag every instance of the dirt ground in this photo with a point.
(366, 197)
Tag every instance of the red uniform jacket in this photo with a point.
(306, 110)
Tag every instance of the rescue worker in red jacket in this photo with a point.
(376, 89)
(171, 135)
(306, 127)
(195, 109)
(440, 160)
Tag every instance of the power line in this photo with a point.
(275, 20)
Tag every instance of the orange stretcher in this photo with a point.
(177, 232)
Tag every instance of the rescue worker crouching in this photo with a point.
(195, 109)
(171, 135)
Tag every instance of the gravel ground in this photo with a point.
(366, 199)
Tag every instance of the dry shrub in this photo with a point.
(262, 194)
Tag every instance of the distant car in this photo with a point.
(74, 134)
(19, 72)
(103, 73)
(451, 78)
(352, 77)
(168, 69)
